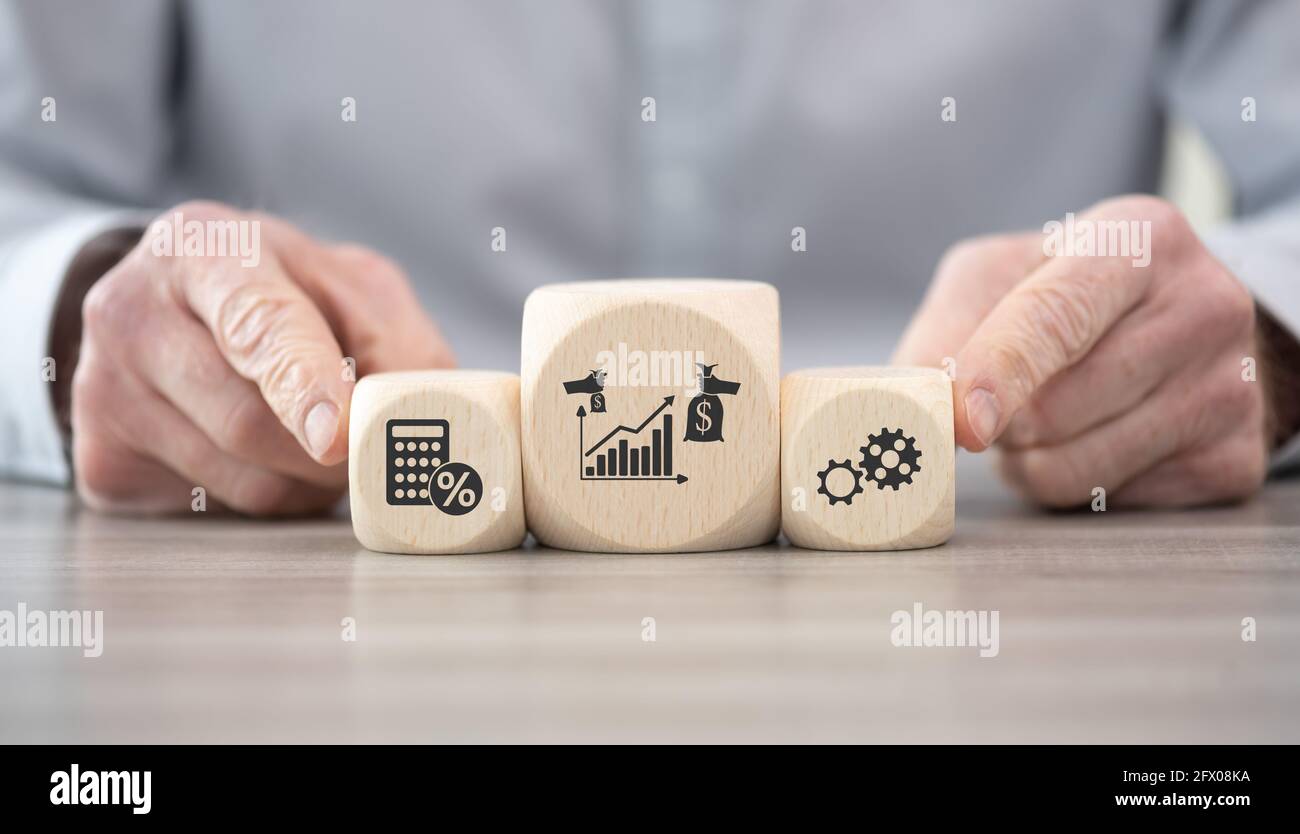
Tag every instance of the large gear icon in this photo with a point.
(890, 459)
(847, 497)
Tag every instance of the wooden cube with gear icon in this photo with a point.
(650, 415)
(867, 458)
(433, 462)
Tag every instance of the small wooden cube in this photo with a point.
(650, 415)
(867, 458)
(433, 462)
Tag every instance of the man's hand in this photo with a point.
(1093, 371)
(203, 371)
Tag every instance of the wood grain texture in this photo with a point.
(474, 415)
(722, 493)
(1115, 627)
(876, 495)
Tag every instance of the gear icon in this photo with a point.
(890, 459)
(846, 497)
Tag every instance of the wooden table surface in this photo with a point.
(1114, 627)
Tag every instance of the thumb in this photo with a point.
(970, 280)
(1044, 325)
(272, 334)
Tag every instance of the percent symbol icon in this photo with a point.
(456, 488)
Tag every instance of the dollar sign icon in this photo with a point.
(705, 422)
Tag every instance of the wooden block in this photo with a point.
(433, 462)
(867, 458)
(650, 415)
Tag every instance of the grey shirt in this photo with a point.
(529, 116)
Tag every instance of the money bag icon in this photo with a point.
(594, 384)
(704, 416)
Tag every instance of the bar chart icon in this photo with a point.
(630, 453)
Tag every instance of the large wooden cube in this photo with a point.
(650, 414)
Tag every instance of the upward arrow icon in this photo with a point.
(667, 402)
(582, 475)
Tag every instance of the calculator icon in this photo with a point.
(416, 448)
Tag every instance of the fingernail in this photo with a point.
(322, 424)
(982, 413)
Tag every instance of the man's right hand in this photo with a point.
(199, 371)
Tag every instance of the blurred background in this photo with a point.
(467, 117)
(1193, 178)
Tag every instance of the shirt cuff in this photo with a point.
(1265, 255)
(32, 269)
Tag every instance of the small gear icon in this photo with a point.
(890, 459)
(846, 497)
